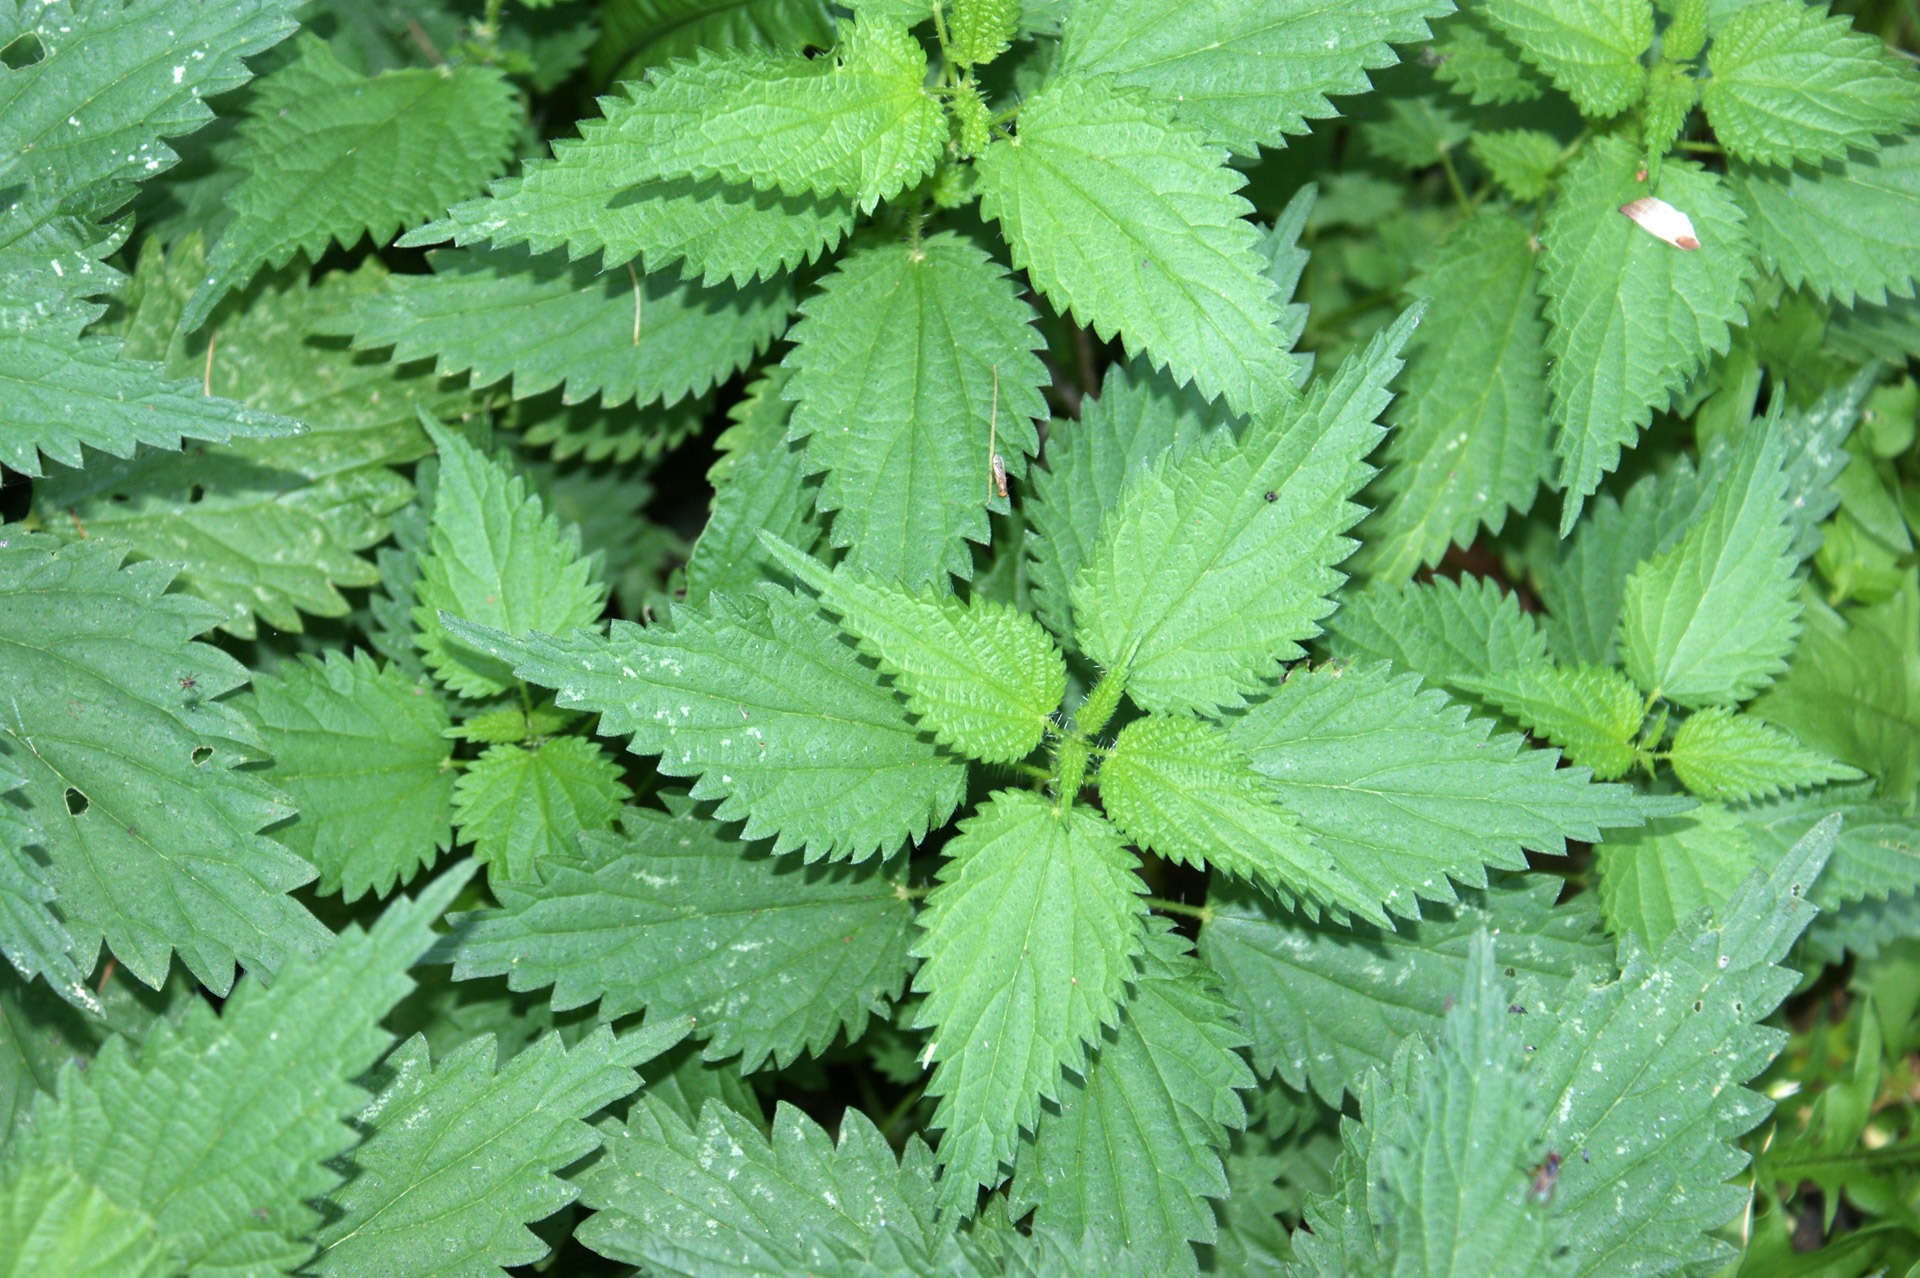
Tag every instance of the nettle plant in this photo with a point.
(1113, 760)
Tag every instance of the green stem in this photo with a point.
(489, 30)
(940, 31)
(898, 1112)
(1201, 912)
(1453, 181)
(1358, 306)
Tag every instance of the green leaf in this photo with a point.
(981, 30)
(1590, 49)
(608, 504)
(1718, 754)
(1791, 83)
(1049, 1253)
(1815, 457)
(1138, 415)
(461, 1155)
(511, 723)
(327, 155)
(1658, 1112)
(1407, 793)
(1630, 318)
(1186, 791)
(1469, 438)
(1442, 629)
(758, 485)
(53, 1222)
(1641, 1076)
(359, 410)
(1711, 619)
(265, 530)
(1876, 857)
(1672, 92)
(1868, 332)
(983, 678)
(1028, 942)
(769, 959)
(45, 1034)
(1325, 1003)
(88, 117)
(1654, 879)
(1130, 220)
(499, 312)
(361, 752)
(63, 391)
(637, 34)
(524, 808)
(858, 123)
(595, 432)
(583, 199)
(1479, 64)
(1266, 1167)
(1585, 588)
(391, 631)
(496, 558)
(1132, 1157)
(1594, 713)
(150, 825)
(1446, 1136)
(32, 937)
(761, 699)
(1201, 582)
(913, 364)
(220, 1128)
(1852, 691)
(1850, 231)
(1523, 161)
(718, 1197)
(1286, 260)
(691, 1083)
(1414, 133)
(256, 541)
(1249, 73)
(1862, 929)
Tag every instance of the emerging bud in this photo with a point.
(1662, 221)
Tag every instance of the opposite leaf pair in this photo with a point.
(1350, 790)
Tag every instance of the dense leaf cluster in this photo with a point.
(1109, 773)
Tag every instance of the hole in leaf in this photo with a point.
(201, 754)
(1696, 1005)
(194, 494)
(77, 803)
(23, 52)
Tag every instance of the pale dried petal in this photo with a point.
(1662, 221)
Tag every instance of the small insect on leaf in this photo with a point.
(1662, 221)
(996, 464)
(1546, 1177)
